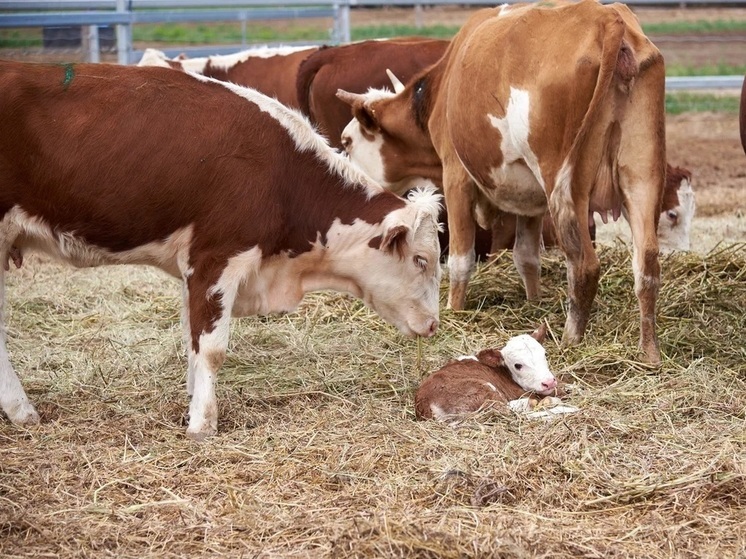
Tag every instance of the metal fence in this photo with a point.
(91, 15)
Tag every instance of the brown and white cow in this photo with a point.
(466, 384)
(357, 67)
(214, 183)
(533, 107)
(271, 70)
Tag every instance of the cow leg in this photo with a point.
(526, 253)
(209, 314)
(583, 269)
(459, 198)
(643, 214)
(13, 399)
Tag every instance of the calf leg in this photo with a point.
(526, 253)
(13, 399)
(459, 198)
(210, 302)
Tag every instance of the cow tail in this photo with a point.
(304, 80)
(617, 59)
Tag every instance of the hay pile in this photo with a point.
(319, 454)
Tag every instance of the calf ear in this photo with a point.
(491, 357)
(540, 333)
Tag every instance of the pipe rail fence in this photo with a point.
(90, 15)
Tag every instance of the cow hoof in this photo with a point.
(199, 435)
(25, 416)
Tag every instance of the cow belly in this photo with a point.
(28, 233)
(515, 189)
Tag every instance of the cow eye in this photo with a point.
(673, 215)
(518, 366)
(420, 262)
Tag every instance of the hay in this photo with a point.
(319, 454)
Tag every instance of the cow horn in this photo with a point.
(398, 86)
(350, 98)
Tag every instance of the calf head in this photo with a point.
(525, 359)
(388, 136)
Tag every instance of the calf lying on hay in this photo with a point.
(517, 375)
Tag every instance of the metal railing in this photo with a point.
(123, 14)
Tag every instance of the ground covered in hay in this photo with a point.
(319, 454)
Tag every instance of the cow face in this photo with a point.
(674, 227)
(399, 274)
(525, 358)
(385, 140)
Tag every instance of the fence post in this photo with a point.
(91, 43)
(124, 36)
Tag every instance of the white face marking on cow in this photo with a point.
(303, 134)
(526, 360)
(675, 225)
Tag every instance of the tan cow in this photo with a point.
(213, 183)
(534, 107)
(271, 70)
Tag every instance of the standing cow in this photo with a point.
(534, 107)
(213, 183)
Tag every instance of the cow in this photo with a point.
(356, 67)
(507, 375)
(547, 106)
(271, 70)
(215, 184)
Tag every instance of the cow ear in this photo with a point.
(393, 240)
(360, 109)
(491, 357)
(540, 333)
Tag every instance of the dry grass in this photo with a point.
(319, 454)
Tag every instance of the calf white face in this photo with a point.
(526, 360)
(675, 225)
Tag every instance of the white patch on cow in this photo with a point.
(526, 360)
(303, 134)
(228, 61)
(675, 225)
(467, 358)
(460, 267)
(518, 186)
(153, 57)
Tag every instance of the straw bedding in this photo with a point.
(319, 455)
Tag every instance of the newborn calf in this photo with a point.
(465, 384)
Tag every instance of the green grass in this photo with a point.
(682, 102)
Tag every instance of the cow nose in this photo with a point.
(549, 384)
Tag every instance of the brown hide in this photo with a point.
(356, 68)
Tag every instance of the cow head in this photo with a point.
(388, 136)
(399, 276)
(525, 358)
(674, 227)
